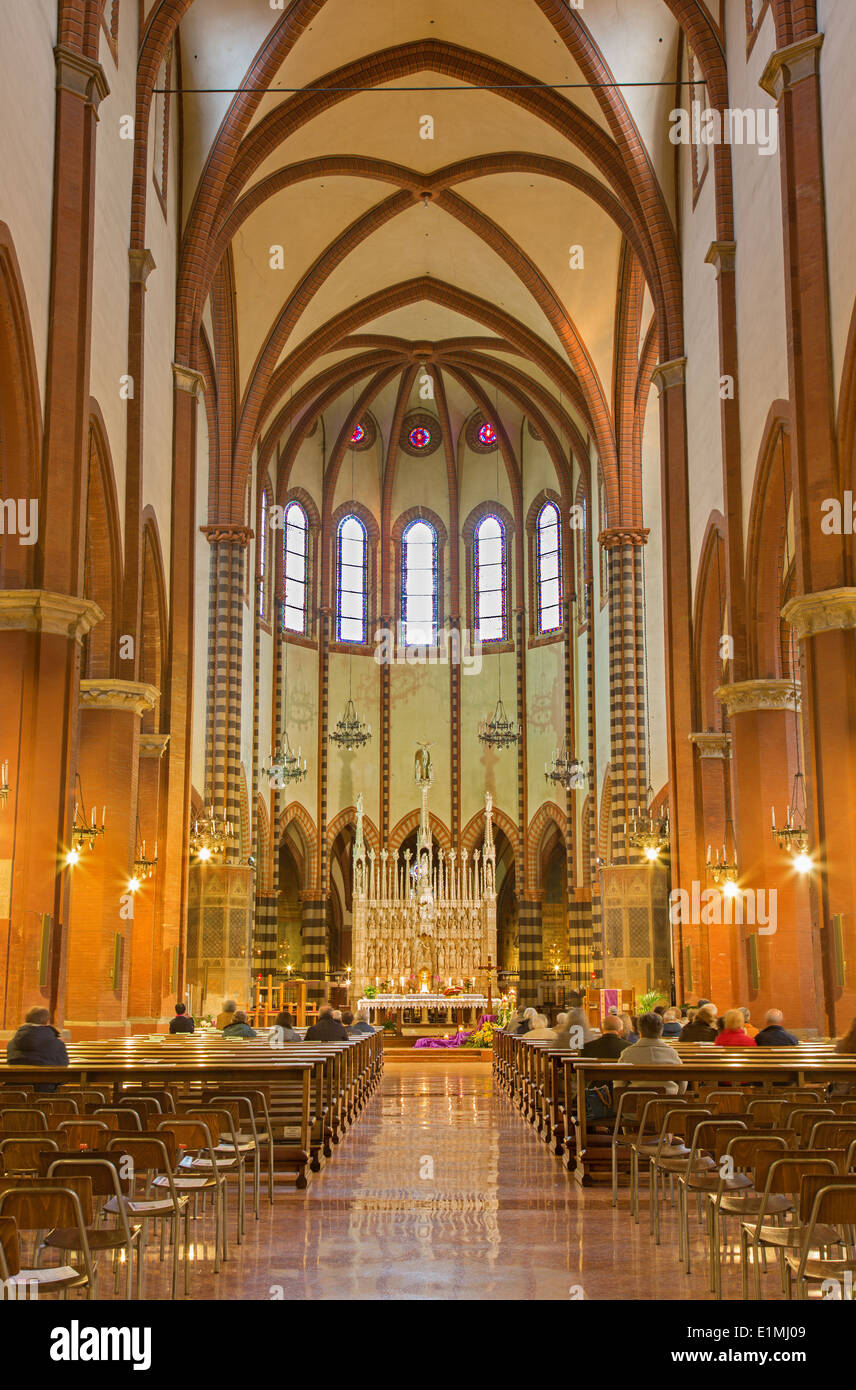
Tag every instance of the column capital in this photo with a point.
(788, 66)
(233, 532)
(711, 745)
(39, 610)
(745, 697)
(131, 697)
(81, 76)
(669, 374)
(722, 255)
(186, 379)
(141, 263)
(153, 745)
(617, 536)
(826, 611)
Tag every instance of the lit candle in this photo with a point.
(93, 817)
(708, 854)
(156, 849)
(773, 814)
(103, 816)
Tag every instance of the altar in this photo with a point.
(474, 1005)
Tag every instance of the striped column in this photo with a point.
(627, 732)
(596, 954)
(225, 633)
(579, 921)
(530, 937)
(313, 911)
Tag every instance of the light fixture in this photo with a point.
(499, 731)
(729, 888)
(4, 782)
(648, 830)
(285, 766)
(351, 732)
(565, 769)
(802, 863)
(723, 871)
(792, 837)
(72, 858)
(83, 833)
(144, 865)
(209, 836)
(134, 884)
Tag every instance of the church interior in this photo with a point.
(427, 613)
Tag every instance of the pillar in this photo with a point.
(153, 969)
(530, 937)
(314, 930)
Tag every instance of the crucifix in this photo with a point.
(490, 968)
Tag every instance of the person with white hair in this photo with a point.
(774, 1034)
(362, 1025)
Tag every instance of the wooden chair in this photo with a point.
(25, 1119)
(699, 1174)
(249, 1138)
(678, 1152)
(647, 1141)
(21, 1156)
(832, 1205)
(126, 1120)
(237, 1145)
(152, 1156)
(738, 1195)
(195, 1137)
(832, 1134)
(85, 1133)
(104, 1177)
(41, 1206)
(802, 1121)
(784, 1177)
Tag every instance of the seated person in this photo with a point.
(182, 1023)
(285, 1023)
(751, 1030)
(37, 1044)
(734, 1032)
(226, 1014)
(328, 1028)
(611, 1042)
(361, 1027)
(672, 1023)
(773, 1034)
(703, 1026)
(650, 1050)
(239, 1027)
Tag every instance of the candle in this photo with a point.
(773, 814)
(708, 854)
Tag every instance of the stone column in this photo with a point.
(717, 970)
(628, 732)
(530, 937)
(314, 930)
(102, 910)
(763, 737)
(154, 962)
(229, 544)
(40, 636)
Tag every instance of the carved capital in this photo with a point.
(822, 612)
(38, 610)
(141, 264)
(791, 65)
(617, 536)
(132, 697)
(745, 697)
(669, 374)
(153, 745)
(232, 532)
(186, 379)
(722, 255)
(81, 76)
(712, 745)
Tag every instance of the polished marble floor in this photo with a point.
(442, 1191)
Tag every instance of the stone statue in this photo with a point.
(422, 770)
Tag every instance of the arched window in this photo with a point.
(548, 571)
(294, 569)
(490, 580)
(262, 555)
(419, 585)
(351, 577)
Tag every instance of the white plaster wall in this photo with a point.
(837, 22)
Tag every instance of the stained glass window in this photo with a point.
(548, 568)
(420, 438)
(352, 553)
(263, 553)
(487, 434)
(419, 585)
(490, 580)
(295, 575)
(359, 434)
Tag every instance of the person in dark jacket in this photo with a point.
(703, 1027)
(239, 1027)
(773, 1034)
(328, 1028)
(182, 1023)
(285, 1022)
(37, 1044)
(610, 1045)
(672, 1023)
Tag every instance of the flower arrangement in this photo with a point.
(483, 1036)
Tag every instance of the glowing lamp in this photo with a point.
(802, 863)
(73, 857)
(205, 854)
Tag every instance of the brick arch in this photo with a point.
(154, 631)
(766, 544)
(548, 817)
(604, 829)
(297, 815)
(244, 807)
(410, 822)
(545, 495)
(473, 833)
(708, 617)
(263, 862)
(20, 410)
(349, 817)
(846, 418)
(585, 839)
(102, 552)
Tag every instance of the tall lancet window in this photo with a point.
(490, 580)
(548, 570)
(419, 585)
(351, 586)
(295, 576)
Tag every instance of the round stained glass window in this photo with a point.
(359, 435)
(487, 433)
(420, 438)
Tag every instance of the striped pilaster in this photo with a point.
(522, 798)
(577, 943)
(225, 642)
(385, 723)
(530, 937)
(314, 931)
(323, 747)
(455, 672)
(628, 760)
(596, 952)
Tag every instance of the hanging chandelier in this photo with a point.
(648, 830)
(144, 865)
(722, 872)
(209, 836)
(4, 782)
(350, 732)
(285, 766)
(499, 731)
(83, 833)
(565, 769)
